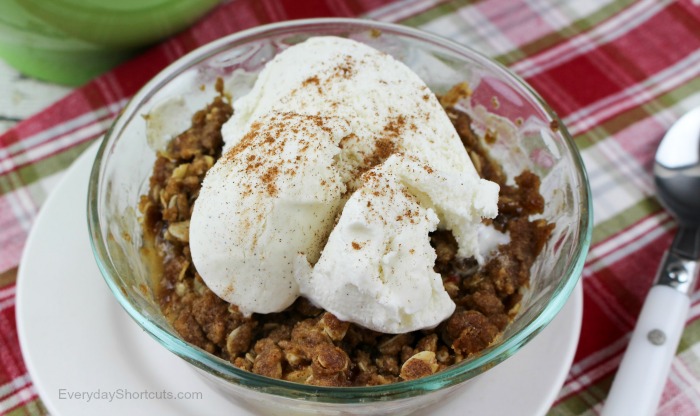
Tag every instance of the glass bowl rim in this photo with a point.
(445, 378)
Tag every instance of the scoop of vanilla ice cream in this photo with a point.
(377, 266)
(358, 110)
(272, 196)
(381, 98)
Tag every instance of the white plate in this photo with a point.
(76, 339)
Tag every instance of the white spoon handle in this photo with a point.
(642, 375)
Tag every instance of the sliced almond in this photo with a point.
(180, 231)
(420, 365)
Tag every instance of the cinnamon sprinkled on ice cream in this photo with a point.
(337, 165)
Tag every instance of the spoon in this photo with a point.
(642, 375)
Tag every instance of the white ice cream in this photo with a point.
(320, 114)
(377, 266)
(264, 202)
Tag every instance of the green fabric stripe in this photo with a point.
(691, 336)
(36, 171)
(435, 13)
(33, 408)
(574, 28)
(8, 277)
(624, 120)
(584, 400)
(626, 218)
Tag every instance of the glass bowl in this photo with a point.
(529, 135)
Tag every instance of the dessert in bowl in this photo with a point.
(516, 127)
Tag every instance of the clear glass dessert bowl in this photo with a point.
(528, 135)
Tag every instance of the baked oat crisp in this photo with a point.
(305, 344)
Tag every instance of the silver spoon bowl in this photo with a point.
(677, 179)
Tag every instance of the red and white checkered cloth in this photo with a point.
(619, 73)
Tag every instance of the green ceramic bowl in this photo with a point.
(72, 41)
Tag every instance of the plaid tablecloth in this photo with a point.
(619, 72)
